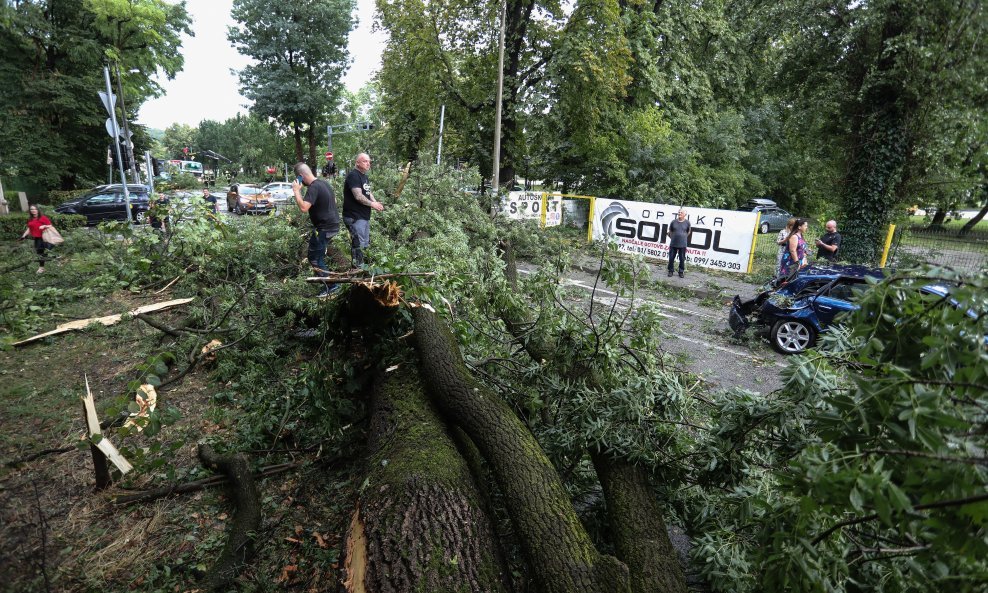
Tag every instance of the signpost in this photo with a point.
(109, 101)
(364, 126)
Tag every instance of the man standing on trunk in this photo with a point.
(358, 201)
(679, 236)
(320, 203)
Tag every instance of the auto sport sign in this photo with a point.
(528, 205)
(553, 210)
(721, 239)
(523, 205)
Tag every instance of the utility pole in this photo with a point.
(442, 120)
(497, 114)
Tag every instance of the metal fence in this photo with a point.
(939, 246)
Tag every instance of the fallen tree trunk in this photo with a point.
(242, 531)
(555, 543)
(637, 529)
(420, 524)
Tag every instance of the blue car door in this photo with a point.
(834, 300)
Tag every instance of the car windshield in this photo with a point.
(249, 191)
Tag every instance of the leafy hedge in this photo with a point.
(12, 225)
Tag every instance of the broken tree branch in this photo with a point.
(197, 485)
(243, 529)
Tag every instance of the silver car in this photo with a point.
(280, 191)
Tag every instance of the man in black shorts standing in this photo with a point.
(357, 205)
(320, 203)
(679, 236)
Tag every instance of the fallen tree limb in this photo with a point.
(243, 529)
(556, 545)
(362, 276)
(33, 456)
(197, 485)
(105, 320)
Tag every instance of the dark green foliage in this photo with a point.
(15, 223)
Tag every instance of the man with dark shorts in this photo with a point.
(679, 236)
(829, 244)
(357, 205)
(320, 203)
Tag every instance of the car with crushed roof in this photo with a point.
(793, 311)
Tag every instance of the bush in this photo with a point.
(12, 225)
(58, 197)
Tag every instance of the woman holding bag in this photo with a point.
(36, 225)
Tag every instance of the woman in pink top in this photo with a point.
(36, 224)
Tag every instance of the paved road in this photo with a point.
(698, 336)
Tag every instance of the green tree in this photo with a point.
(300, 50)
(54, 52)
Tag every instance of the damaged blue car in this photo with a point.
(793, 311)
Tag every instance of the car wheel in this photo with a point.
(140, 217)
(790, 336)
(764, 228)
(229, 207)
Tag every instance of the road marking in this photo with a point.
(624, 302)
(582, 284)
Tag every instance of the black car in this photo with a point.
(106, 202)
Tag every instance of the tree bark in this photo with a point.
(239, 546)
(555, 543)
(638, 531)
(420, 524)
(969, 225)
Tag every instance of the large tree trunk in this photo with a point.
(638, 531)
(555, 543)
(420, 524)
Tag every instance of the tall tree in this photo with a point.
(300, 50)
(53, 56)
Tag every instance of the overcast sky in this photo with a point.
(206, 89)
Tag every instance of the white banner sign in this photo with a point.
(720, 239)
(553, 210)
(523, 205)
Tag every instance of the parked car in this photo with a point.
(246, 198)
(793, 311)
(280, 191)
(773, 217)
(106, 202)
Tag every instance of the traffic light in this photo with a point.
(366, 127)
(156, 167)
(123, 154)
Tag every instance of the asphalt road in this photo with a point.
(697, 335)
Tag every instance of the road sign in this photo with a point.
(109, 101)
(109, 129)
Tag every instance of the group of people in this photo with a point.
(793, 247)
(791, 241)
(320, 203)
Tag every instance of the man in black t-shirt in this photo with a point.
(357, 205)
(829, 244)
(320, 203)
(679, 236)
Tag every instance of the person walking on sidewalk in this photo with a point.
(36, 225)
(679, 236)
(320, 203)
(781, 240)
(358, 201)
